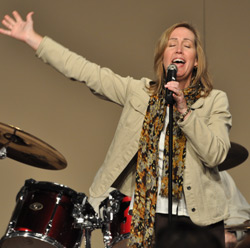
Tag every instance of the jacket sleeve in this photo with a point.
(101, 81)
(207, 129)
(239, 208)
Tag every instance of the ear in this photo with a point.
(196, 62)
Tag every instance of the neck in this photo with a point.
(184, 83)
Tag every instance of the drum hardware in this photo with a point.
(87, 219)
(36, 206)
(49, 225)
(25, 148)
(116, 220)
(237, 154)
(10, 138)
(3, 152)
(111, 206)
(107, 209)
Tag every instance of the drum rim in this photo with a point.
(37, 236)
(31, 184)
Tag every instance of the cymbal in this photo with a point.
(241, 227)
(25, 148)
(237, 154)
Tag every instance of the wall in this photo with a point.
(120, 35)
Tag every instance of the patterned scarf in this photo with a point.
(145, 196)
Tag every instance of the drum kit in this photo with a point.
(51, 215)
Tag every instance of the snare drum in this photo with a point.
(43, 217)
(116, 220)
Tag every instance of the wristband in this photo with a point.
(182, 116)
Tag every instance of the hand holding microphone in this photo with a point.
(176, 94)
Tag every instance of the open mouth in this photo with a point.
(178, 61)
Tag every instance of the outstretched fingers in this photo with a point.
(17, 16)
(29, 17)
(8, 22)
(4, 31)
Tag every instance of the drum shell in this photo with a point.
(120, 226)
(44, 211)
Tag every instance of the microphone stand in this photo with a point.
(170, 102)
(170, 76)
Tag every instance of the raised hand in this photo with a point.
(22, 30)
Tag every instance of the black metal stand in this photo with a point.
(170, 167)
(170, 76)
(87, 238)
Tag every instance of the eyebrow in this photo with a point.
(184, 39)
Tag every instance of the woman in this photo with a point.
(200, 130)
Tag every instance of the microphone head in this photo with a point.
(172, 67)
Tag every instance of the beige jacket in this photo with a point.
(207, 131)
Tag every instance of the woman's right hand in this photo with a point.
(21, 30)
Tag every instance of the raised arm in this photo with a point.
(22, 30)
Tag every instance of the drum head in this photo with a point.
(28, 242)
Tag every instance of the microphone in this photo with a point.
(171, 76)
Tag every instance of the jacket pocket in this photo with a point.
(138, 105)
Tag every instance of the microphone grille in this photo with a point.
(172, 67)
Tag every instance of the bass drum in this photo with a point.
(43, 217)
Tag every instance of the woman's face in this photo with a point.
(181, 51)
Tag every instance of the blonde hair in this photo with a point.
(200, 73)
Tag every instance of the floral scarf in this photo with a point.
(145, 196)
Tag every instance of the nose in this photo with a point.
(179, 48)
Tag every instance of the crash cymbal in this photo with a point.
(237, 154)
(241, 227)
(25, 148)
